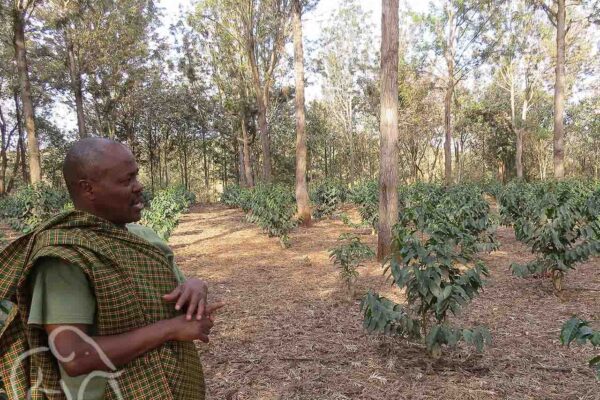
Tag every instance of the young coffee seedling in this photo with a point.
(349, 255)
(579, 330)
(433, 260)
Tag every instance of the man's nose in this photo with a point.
(138, 187)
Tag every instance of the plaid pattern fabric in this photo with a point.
(129, 277)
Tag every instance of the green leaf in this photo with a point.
(569, 330)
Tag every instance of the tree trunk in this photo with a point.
(449, 51)
(4, 145)
(448, 139)
(21, 142)
(388, 152)
(436, 153)
(457, 160)
(326, 173)
(559, 92)
(263, 128)
(246, 150)
(516, 128)
(519, 153)
(302, 199)
(241, 171)
(205, 159)
(75, 84)
(15, 170)
(185, 170)
(35, 164)
(166, 167)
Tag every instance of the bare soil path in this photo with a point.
(289, 332)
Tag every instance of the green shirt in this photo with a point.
(62, 294)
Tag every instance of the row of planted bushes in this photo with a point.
(326, 199)
(435, 251)
(30, 205)
(271, 207)
(165, 209)
(559, 221)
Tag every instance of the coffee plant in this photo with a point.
(30, 205)
(513, 201)
(349, 255)
(434, 259)
(560, 224)
(326, 198)
(366, 197)
(165, 209)
(271, 207)
(580, 331)
(493, 188)
(231, 195)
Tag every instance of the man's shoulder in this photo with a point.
(142, 231)
(147, 234)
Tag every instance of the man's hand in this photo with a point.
(123, 348)
(185, 330)
(192, 292)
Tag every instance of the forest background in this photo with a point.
(205, 94)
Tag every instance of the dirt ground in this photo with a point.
(289, 331)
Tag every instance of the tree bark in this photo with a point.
(519, 153)
(4, 145)
(205, 158)
(302, 199)
(21, 142)
(75, 84)
(265, 141)
(516, 127)
(35, 164)
(241, 170)
(559, 92)
(449, 55)
(15, 170)
(246, 150)
(457, 160)
(388, 152)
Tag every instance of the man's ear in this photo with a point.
(86, 189)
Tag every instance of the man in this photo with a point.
(104, 296)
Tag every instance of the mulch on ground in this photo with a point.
(290, 332)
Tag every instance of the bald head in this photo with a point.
(102, 179)
(86, 159)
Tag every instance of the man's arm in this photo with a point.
(84, 356)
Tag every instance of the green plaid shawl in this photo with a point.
(129, 277)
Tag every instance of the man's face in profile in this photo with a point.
(117, 191)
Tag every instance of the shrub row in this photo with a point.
(559, 221)
(30, 205)
(166, 208)
(271, 207)
(327, 197)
